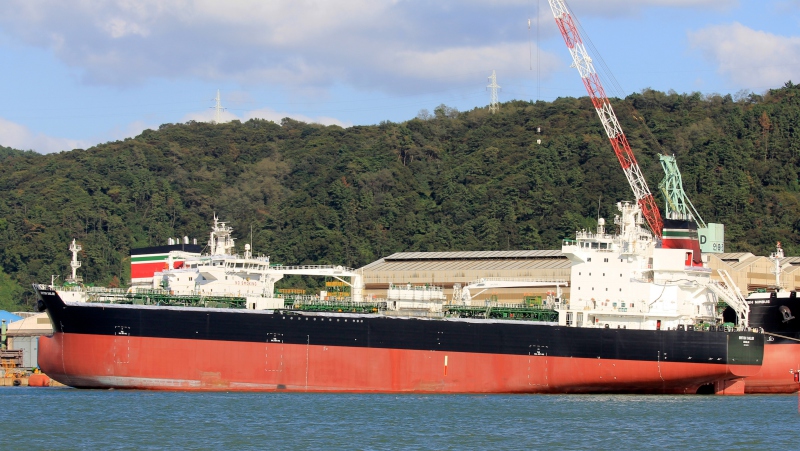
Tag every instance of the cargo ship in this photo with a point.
(640, 319)
(774, 311)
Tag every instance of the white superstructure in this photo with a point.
(623, 280)
(222, 272)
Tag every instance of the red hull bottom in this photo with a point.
(98, 361)
(781, 361)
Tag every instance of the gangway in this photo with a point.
(356, 282)
(730, 294)
(463, 296)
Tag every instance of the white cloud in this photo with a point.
(20, 137)
(620, 8)
(310, 43)
(749, 57)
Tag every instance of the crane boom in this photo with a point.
(602, 105)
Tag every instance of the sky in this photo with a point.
(76, 73)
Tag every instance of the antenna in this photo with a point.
(530, 46)
(218, 107)
(538, 59)
(74, 264)
(494, 105)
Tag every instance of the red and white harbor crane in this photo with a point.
(619, 142)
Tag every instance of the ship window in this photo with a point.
(604, 274)
(595, 245)
(606, 289)
(589, 259)
(605, 260)
(620, 289)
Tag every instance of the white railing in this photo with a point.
(517, 279)
(312, 268)
(729, 293)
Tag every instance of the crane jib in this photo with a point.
(605, 112)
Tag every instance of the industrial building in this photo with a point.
(449, 269)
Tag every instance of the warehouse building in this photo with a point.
(753, 273)
(459, 269)
(449, 269)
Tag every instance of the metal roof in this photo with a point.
(737, 256)
(474, 255)
(470, 260)
(791, 260)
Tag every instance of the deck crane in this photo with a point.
(602, 105)
(678, 205)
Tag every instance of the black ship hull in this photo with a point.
(133, 346)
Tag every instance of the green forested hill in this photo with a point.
(451, 181)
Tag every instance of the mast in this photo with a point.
(619, 142)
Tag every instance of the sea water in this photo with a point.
(64, 419)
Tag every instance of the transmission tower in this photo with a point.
(494, 105)
(218, 108)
